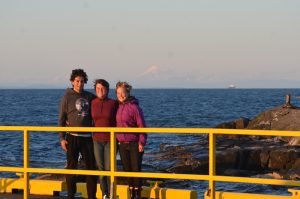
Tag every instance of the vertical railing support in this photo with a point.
(26, 164)
(212, 164)
(113, 165)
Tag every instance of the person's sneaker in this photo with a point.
(106, 197)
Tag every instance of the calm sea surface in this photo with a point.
(162, 108)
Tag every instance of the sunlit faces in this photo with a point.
(78, 84)
(101, 91)
(122, 94)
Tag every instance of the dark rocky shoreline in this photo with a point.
(237, 155)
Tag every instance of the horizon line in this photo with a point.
(225, 88)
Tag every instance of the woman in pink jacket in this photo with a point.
(131, 145)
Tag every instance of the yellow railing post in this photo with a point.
(113, 173)
(26, 164)
(212, 164)
(113, 165)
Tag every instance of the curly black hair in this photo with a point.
(78, 72)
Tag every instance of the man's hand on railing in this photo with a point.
(63, 144)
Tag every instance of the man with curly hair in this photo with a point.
(75, 111)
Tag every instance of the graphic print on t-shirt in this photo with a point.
(82, 106)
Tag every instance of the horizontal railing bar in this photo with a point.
(122, 174)
(162, 175)
(256, 180)
(158, 175)
(100, 129)
(104, 129)
(69, 171)
(108, 173)
(154, 130)
(12, 169)
(56, 171)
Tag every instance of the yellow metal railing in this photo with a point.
(113, 173)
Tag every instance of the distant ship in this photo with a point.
(231, 86)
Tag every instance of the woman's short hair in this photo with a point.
(78, 73)
(124, 85)
(103, 82)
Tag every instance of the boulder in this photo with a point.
(240, 123)
(279, 118)
(245, 155)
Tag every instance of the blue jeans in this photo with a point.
(102, 157)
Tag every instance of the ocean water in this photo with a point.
(195, 108)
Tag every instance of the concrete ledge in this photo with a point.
(38, 187)
(52, 188)
(233, 195)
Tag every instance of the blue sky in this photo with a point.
(151, 44)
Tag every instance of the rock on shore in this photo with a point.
(243, 155)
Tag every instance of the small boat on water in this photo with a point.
(231, 86)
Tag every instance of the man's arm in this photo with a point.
(62, 121)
